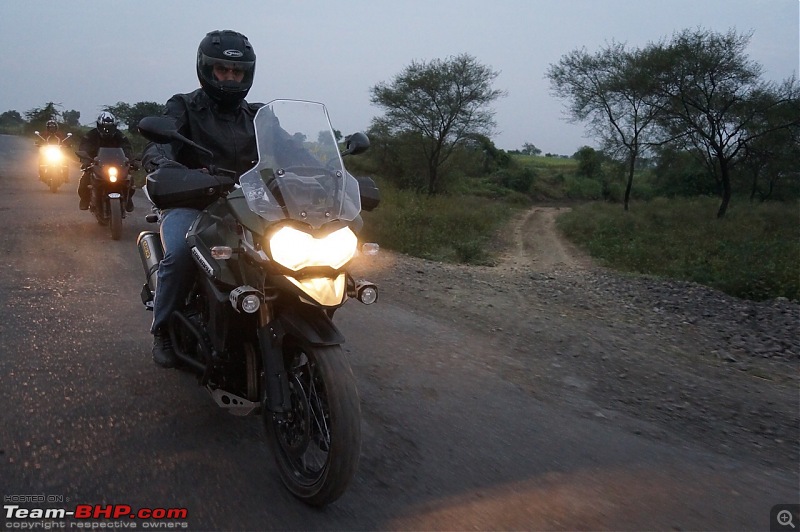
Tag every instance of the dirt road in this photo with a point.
(544, 393)
(694, 362)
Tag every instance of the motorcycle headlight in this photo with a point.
(112, 174)
(53, 154)
(296, 249)
(324, 290)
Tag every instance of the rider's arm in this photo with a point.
(89, 146)
(154, 154)
(125, 144)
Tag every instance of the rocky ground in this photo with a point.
(669, 360)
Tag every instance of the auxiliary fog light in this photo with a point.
(250, 303)
(245, 299)
(366, 292)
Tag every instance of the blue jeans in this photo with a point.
(176, 271)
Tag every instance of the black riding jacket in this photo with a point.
(54, 138)
(91, 143)
(228, 133)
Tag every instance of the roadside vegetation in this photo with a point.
(751, 253)
(697, 178)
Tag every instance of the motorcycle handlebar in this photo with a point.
(221, 172)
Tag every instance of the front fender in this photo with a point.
(310, 324)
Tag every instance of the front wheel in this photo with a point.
(116, 219)
(317, 445)
(54, 186)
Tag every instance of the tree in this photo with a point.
(72, 118)
(770, 159)
(11, 122)
(530, 149)
(38, 116)
(681, 173)
(439, 104)
(492, 158)
(130, 115)
(610, 90)
(590, 162)
(710, 96)
(11, 118)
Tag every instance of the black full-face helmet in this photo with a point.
(232, 51)
(52, 126)
(106, 124)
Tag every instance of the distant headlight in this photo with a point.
(53, 154)
(296, 250)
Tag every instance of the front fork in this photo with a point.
(103, 201)
(270, 342)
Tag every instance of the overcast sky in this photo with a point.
(86, 54)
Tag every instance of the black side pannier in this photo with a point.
(170, 188)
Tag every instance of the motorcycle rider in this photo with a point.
(215, 116)
(104, 135)
(53, 136)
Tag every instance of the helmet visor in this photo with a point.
(223, 71)
(106, 130)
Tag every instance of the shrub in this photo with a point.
(752, 253)
(455, 228)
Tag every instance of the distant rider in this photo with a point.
(217, 117)
(53, 136)
(105, 135)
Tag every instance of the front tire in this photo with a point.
(116, 219)
(317, 446)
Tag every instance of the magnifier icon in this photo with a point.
(785, 518)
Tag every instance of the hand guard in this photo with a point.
(162, 162)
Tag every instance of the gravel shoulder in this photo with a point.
(669, 360)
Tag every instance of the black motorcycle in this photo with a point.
(110, 185)
(53, 163)
(272, 254)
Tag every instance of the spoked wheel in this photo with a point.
(116, 219)
(317, 446)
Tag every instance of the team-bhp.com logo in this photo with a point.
(123, 513)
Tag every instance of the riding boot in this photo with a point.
(163, 353)
(129, 203)
(84, 192)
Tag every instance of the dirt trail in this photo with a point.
(689, 361)
(538, 246)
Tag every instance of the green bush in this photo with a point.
(753, 252)
(456, 228)
(582, 188)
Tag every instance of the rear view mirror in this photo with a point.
(355, 144)
(162, 130)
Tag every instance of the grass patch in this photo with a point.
(752, 253)
(443, 228)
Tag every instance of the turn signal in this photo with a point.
(221, 252)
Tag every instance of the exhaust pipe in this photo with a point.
(151, 253)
